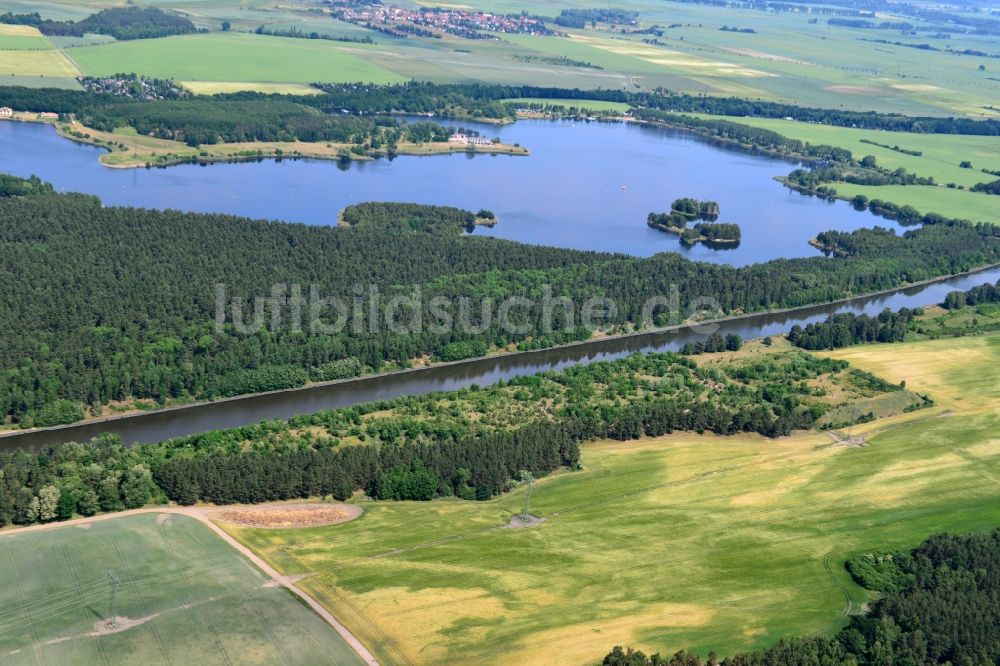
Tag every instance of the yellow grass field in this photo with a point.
(216, 87)
(37, 63)
(19, 30)
(680, 542)
(957, 372)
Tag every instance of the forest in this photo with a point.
(843, 330)
(470, 443)
(200, 120)
(939, 604)
(487, 101)
(122, 23)
(135, 317)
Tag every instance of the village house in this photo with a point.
(48, 115)
(470, 140)
(6, 112)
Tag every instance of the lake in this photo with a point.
(587, 186)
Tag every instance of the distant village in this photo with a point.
(432, 21)
(130, 85)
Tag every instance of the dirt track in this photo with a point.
(202, 514)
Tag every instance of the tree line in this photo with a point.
(200, 120)
(488, 101)
(985, 293)
(843, 330)
(122, 23)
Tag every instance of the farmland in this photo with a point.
(185, 597)
(683, 541)
(17, 37)
(940, 158)
(232, 57)
(786, 57)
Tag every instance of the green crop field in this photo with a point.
(186, 597)
(975, 206)
(940, 158)
(23, 43)
(221, 57)
(685, 541)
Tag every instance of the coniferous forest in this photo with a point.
(133, 315)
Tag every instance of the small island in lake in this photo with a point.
(685, 210)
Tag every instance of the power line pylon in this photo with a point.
(115, 585)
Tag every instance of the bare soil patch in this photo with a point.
(843, 440)
(280, 516)
(517, 522)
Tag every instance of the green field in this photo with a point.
(975, 206)
(686, 541)
(940, 159)
(233, 57)
(942, 153)
(186, 598)
(23, 43)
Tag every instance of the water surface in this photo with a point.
(586, 186)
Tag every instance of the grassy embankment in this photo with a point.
(186, 596)
(684, 541)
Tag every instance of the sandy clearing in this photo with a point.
(283, 516)
(915, 87)
(853, 90)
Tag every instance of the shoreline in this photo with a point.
(14, 434)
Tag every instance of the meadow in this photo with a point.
(186, 597)
(685, 541)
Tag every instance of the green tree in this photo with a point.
(66, 506)
(137, 487)
(88, 504)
